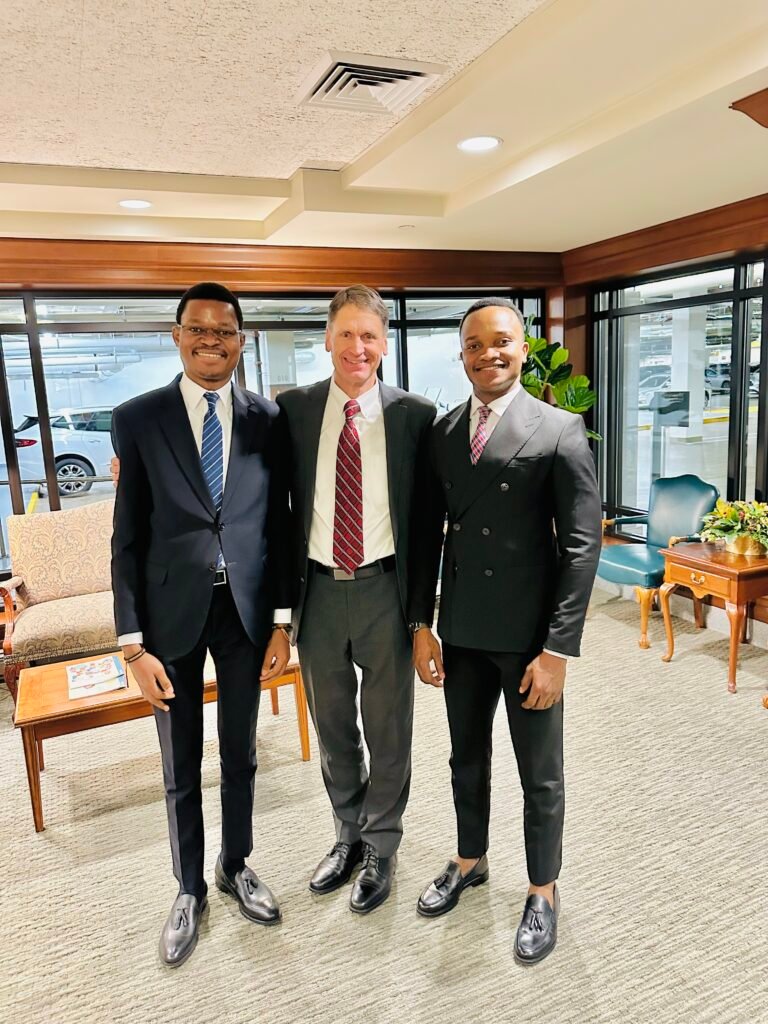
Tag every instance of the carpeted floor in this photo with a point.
(665, 911)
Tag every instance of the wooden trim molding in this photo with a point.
(68, 264)
(725, 231)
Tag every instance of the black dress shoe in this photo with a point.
(334, 870)
(537, 934)
(256, 901)
(374, 882)
(179, 935)
(443, 894)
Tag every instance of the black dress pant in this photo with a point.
(474, 681)
(238, 665)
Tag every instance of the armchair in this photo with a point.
(62, 587)
(676, 509)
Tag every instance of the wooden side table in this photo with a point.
(710, 570)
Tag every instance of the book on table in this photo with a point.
(99, 676)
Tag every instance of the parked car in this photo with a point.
(82, 447)
(663, 382)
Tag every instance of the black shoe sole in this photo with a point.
(228, 890)
(193, 947)
(480, 880)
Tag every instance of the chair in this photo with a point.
(62, 587)
(676, 509)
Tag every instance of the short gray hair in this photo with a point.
(493, 300)
(363, 297)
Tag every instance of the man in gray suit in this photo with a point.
(516, 479)
(355, 446)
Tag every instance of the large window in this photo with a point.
(66, 362)
(679, 362)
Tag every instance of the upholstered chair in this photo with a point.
(676, 509)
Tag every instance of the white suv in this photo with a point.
(82, 447)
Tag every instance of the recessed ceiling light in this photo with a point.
(135, 204)
(406, 227)
(480, 144)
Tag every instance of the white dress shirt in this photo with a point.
(498, 407)
(378, 539)
(196, 405)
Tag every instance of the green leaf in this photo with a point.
(561, 373)
(559, 357)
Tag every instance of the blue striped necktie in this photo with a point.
(212, 454)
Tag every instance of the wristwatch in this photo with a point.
(415, 626)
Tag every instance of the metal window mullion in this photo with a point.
(737, 433)
(9, 440)
(761, 455)
(41, 400)
(402, 344)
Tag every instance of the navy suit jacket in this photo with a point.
(167, 533)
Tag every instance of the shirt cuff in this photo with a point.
(282, 615)
(130, 638)
(556, 654)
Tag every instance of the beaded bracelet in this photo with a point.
(135, 657)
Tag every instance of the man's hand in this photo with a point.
(149, 673)
(276, 657)
(428, 657)
(545, 679)
(114, 467)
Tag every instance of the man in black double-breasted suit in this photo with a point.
(516, 480)
(199, 533)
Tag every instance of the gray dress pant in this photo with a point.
(360, 622)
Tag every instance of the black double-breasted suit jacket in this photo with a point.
(523, 531)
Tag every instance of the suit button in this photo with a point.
(212, 567)
(489, 572)
(448, 485)
(485, 531)
(301, 579)
(222, 525)
(504, 487)
(457, 527)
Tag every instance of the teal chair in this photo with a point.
(676, 508)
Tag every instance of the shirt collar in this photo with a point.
(192, 393)
(369, 401)
(498, 405)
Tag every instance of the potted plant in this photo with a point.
(547, 375)
(743, 525)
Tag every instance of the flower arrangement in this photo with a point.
(743, 525)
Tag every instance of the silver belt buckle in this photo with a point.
(342, 574)
(221, 577)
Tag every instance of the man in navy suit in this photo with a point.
(200, 515)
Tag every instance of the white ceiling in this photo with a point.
(614, 116)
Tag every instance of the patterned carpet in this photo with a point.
(665, 911)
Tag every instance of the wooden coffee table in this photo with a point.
(44, 710)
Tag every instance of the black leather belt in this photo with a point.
(363, 573)
(220, 578)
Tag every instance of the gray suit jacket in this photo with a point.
(523, 537)
(408, 419)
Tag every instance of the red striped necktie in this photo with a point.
(348, 515)
(480, 436)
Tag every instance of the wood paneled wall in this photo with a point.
(67, 264)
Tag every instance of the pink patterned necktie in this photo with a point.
(480, 436)
(348, 515)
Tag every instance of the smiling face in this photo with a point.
(209, 342)
(357, 340)
(493, 350)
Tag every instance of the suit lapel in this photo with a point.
(175, 425)
(519, 422)
(312, 425)
(395, 415)
(240, 443)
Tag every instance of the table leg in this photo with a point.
(737, 614)
(302, 715)
(33, 774)
(698, 612)
(275, 701)
(664, 592)
(40, 755)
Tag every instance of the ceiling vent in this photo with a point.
(368, 84)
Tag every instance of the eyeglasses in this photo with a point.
(219, 333)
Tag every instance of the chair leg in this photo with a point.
(275, 701)
(645, 597)
(11, 676)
